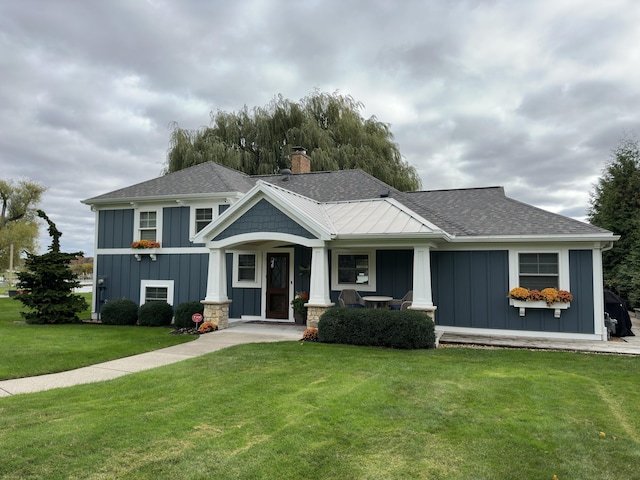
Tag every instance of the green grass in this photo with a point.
(28, 350)
(292, 410)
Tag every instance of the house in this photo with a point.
(245, 245)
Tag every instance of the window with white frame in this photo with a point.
(246, 269)
(156, 291)
(204, 216)
(355, 270)
(148, 225)
(539, 268)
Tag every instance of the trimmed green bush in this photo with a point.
(119, 312)
(155, 314)
(185, 311)
(404, 329)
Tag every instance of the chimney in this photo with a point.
(300, 161)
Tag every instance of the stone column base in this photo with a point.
(314, 312)
(217, 313)
(429, 311)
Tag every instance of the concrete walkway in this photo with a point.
(238, 333)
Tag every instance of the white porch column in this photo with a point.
(319, 289)
(217, 277)
(319, 292)
(422, 299)
(599, 328)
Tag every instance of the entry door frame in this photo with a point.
(265, 264)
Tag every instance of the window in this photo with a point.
(246, 267)
(156, 291)
(148, 226)
(155, 294)
(538, 270)
(353, 270)
(204, 216)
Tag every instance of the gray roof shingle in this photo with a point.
(467, 212)
(489, 212)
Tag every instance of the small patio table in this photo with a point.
(377, 301)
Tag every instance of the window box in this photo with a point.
(139, 253)
(524, 304)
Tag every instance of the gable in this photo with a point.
(264, 217)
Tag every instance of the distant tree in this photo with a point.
(259, 141)
(18, 222)
(615, 205)
(48, 282)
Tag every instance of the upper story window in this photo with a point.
(148, 226)
(204, 216)
(353, 270)
(538, 270)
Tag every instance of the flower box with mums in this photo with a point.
(549, 298)
(145, 245)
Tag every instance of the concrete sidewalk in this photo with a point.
(237, 333)
(240, 332)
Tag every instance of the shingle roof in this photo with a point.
(489, 212)
(204, 178)
(462, 213)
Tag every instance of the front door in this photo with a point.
(278, 285)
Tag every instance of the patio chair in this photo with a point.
(351, 299)
(402, 303)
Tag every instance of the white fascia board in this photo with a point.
(260, 191)
(166, 200)
(413, 238)
(535, 238)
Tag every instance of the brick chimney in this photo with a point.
(300, 161)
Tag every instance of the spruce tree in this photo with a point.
(47, 284)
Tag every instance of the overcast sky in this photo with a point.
(531, 95)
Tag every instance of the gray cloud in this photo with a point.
(529, 95)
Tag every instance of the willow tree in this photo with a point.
(18, 221)
(615, 205)
(259, 141)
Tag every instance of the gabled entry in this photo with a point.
(277, 285)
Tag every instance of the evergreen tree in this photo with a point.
(259, 141)
(48, 284)
(615, 205)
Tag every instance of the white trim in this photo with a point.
(238, 240)
(158, 251)
(368, 287)
(168, 284)
(520, 333)
(159, 211)
(257, 281)
(563, 265)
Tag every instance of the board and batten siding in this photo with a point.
(470, 289)
(244, 301)
(122, 275)
(115, 228)
(175, 230)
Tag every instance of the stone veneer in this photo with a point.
(314, 312)
(217, 313)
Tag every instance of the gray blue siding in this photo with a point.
(115, 228)
(264, 217)
(122, 275)
(175, 227)
(470, 290)
(244, 301)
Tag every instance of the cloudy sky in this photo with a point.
(531, 95)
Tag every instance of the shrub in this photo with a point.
(377, 327)
(185, 311)
(119, 312)
(310, 335)
(155, 314)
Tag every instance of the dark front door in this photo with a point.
(278, 285)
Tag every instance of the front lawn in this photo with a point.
(28, 350)
(303, 410)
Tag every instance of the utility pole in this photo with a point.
(11, 265)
